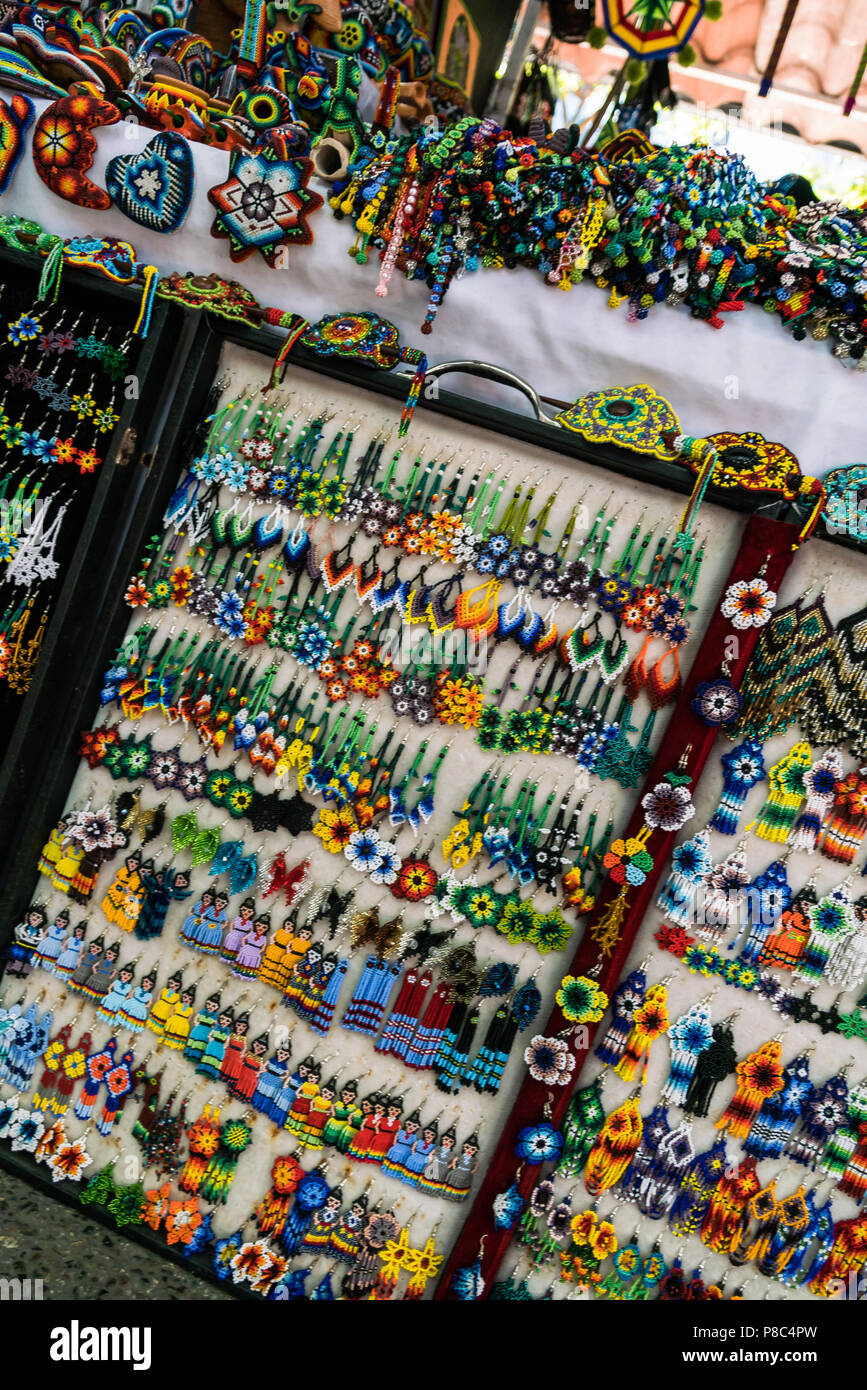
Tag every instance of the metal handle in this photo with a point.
(489, 372)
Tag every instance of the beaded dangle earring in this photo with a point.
(627, 998)
(689, 1036)
(768, 897)
(820, 784)
(760, 1075)
(714, 1064)
(722, 1220)
(786, 796)
(743, 768)
(724, 898)
(234, 1136)
(690, 866)
(832, 920)
(655, 1127)
(780, 1112)
(842, 836)
(672, 1159)
(614, 1147)
(697, 1188)
(515, 1015)
(649, 1022)
(823, 1114)
(785, 944)
(847, 963)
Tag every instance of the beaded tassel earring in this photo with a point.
(758, 1220)
(820, 785)
(832, 920)
(787, 792)
(714, 1064)
(514, 1016)
(816, 1238)
(453, 1053)
(759, 1075)
(235, 1136)
(655, 1127)
(823, 1114)
(671, 1161)
(843, 1142)
(614, 1147)
(627, 997)
(766, 671)
(649, 1022)
(830, 712)
(784, 946)
(697, 1188)
(584, 1119)
(768, 896)
(689, 1036)
(690, 865)
(727, 1205)
(845, 1257)
(847, 823)
(847, 964)
(365, 1010)
(773, 1126)
(794, 1216)
(430, 1030)
(203, 1139)
(406, 1011)
(854, 1179)
(743, 768)
(724, 896)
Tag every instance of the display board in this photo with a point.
(625, 525)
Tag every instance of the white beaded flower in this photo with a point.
(749, 603)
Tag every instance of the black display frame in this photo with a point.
(166, 421)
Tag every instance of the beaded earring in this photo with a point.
(743, 768)
(847, 964)
(234, 1137)
(614, 1147)
(760, 1075)
(649, 1022)
(787, 792)
(724, 899)
(627, 998)
(785, 944)
(584, 1119)
(832, 920)
(714, 1064)
(722, 1221)
(780, 1112)
(820, 785)
(691, 864)
(843, 834)
(655, 1127)
(671, 1161)
(689, 1036)
(697, 1188)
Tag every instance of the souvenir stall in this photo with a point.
(443, 875)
